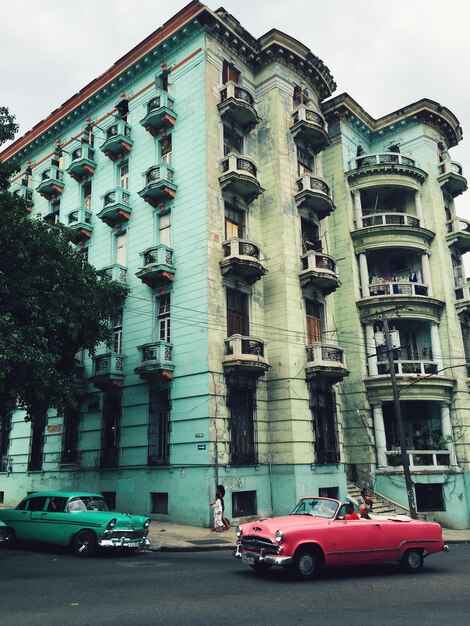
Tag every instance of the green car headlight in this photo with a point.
(146, 523)
(112, 523)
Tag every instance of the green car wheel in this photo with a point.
(84, 543)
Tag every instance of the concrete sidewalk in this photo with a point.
(165, 536)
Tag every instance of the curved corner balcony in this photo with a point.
(159, 185)
(115, 272)
(245, 355)
(237, 106)
(242, 260)
(462, 295)
(240, 177)
(83, 163)
(155, 361)
(160, 114)
(118, 141)
(318, 272)
(79, 222)
(313, 196)
(459, 234)
(416, 380)
(52, 183)
(375, 230)
(326, 360)
(108, 372)
(116, 209)
(413, 297)
(385, 164)
(451, 178)
(310, 127)
(159, 267)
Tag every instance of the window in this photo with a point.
(315, 313)
(5, 428)
(56, 504)
(237, 313)
(234, 223)
(87, 195)
(163, 317)
(54, 212)
(323, 405)
(121, 249)
(2, 497)
(36, 445)
(110, 430)
(166, 149)
(110, 499)
(117, 332)
(311, 239)
(163, 82)
(164, 227)
(37, 504)
(329, 492)
(124, 176)
(305, 162)
(233, 142)
(241, 404)
(429, 498)
(159, 427)
(85, 253)
(244, 503)
(229, 73)
(70, 436)
(159, 503)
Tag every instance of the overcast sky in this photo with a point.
(384, 54)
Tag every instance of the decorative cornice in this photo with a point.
(424, 111)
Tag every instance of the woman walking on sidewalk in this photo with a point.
(217, 506)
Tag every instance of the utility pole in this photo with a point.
(398, 420)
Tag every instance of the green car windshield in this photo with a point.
(87, 503)
(317, 507)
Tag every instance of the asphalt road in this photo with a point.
(43, 587)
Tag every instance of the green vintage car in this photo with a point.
(76, 519)
(3, 533)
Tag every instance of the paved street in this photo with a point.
(52, 587)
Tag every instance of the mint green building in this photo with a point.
(261, 227)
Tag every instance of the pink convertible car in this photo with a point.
(315, 535)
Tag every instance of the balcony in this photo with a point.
(115, 272)
(237, 106)
(52, 183)
(159, 185)
(326, 360)
(310, 127)
(318, 272)
(420, 459)
(108, 371)
(159, 268)
(407, 367)
(116, 209)
(313, 195)
(27, 195)
(385, 164)
(245, 355)
(462, 295)
(83, 163)
(375, 229)
(459, 234)
(398, 288)
(240, 177)
(242, 259)
(160, 114)
(451, 178)
(118, 141)
(156, 361)
(380, 220)
(79, 222)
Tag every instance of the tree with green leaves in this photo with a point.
(53, 304)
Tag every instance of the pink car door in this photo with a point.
(359, 541)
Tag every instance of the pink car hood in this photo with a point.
(284, 523)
